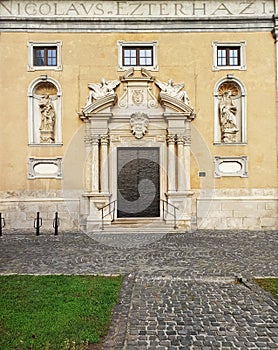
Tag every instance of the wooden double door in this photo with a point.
(138, 182)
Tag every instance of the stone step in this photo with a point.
(131, 222)
(136, 226)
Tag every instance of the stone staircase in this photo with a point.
(138, 225)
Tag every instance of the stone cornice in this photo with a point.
(111, 16)
(136, 25)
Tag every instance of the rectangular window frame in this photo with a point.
(240, 47)
(138, 47)
(46, 55)
(138, 56)
(33, 46)
(228, 57)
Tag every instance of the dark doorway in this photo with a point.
(138, 182)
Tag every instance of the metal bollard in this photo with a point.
(2, 224)
(38, 223)
(56, 224)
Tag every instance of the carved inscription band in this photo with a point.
(134, 9)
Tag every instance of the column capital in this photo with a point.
(87, 140)
(180, 139)
(171, 138)
(104, 139)
(187, 138)
(94, 139)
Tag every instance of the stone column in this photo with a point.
(104, 163)
(95, 164)
(181, 169)
(171, 163)
(187, 146)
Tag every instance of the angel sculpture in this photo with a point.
(173, 90)
(101, 89)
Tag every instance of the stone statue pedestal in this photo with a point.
(229, 136)
(47, 136)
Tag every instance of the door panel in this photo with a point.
(138, 182)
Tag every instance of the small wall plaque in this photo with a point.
(50, 168)
(230, 166)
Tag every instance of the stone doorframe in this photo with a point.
(134, 117)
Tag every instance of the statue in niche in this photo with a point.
(102, 89)
(227, 117)
(47, 133)
(173, 90)
(139, 123)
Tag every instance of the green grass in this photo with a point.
(269, 284)
(55, 312)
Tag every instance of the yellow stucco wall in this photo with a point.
(184, 57)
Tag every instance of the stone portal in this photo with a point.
(137, 139)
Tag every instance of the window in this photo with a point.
(44, 55)
(137, 55)
(229, 55)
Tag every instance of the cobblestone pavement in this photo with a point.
(180, 291)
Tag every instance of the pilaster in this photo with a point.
(171, 163)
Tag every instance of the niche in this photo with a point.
(44, 112)
(229, 112)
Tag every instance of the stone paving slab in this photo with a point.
(179, 291)
(198, 253)
(175, 313)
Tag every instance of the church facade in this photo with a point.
(152, 114)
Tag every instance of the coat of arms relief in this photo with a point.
(137, 96)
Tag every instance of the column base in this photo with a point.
(182, 201)
(97, 201)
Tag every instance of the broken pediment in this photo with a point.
(99, 105)
(173, 104)
(136, 95)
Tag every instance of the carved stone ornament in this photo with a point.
(228, 112)
(139, 123)
(137, 90)
(173, 90)
(171, 138)
(137, 97)
(101, 90)
(47, 119)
